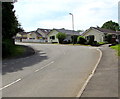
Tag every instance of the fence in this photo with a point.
(32, 41)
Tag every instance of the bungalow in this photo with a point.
(44, 33)
(101, 33)
(52, 35)
(33, 36)
(20, 36)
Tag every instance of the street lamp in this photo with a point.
(72, 25)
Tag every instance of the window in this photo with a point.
(52, 37)
(31, 38)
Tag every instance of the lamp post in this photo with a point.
(72, 25)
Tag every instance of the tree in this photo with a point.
(10, 25)
(109, 38)
(111, 25)
(61, 37)
(80, 30)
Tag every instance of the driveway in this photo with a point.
(54, 71)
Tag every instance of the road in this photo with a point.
(54, 71)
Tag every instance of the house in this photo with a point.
(40, 35)
(44, 33)
(101, 33)
(52, 35)
(20, 36)
(33, 36)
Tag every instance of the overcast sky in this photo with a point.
(33, 14)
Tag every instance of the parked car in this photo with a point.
(66, 41)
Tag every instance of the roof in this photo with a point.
(22, 33)
(71, 32)
(108, 31)
(104, 30)
(31, 32)
(46, 31)
(38, 34)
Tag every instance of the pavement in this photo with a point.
(104, 82)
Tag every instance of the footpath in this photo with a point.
(104, 82)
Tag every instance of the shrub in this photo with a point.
(81, 40)
(90, 39)
(74, 38)
(109, 38)
(95, 43)
(61, 37)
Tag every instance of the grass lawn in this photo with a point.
(15, 51)
(18, 50)
(117, 48)
(101, 42)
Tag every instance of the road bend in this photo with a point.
(54, 71)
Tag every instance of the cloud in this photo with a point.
(34, 14)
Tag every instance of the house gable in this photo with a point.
(99, 36)
(52, 36)
(41, 32)
(31, 35)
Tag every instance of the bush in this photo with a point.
(95, 43)
(74, 39)
(109, 38)
(90, 39)
(61, 37)
(81, 40)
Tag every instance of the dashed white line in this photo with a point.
(21, 79)
(37, 70)
(10, 84)
(44, 66)
(47, 65)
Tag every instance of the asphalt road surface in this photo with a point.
(54, 71)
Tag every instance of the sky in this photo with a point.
(49, 14)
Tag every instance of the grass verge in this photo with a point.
(117, 48)
(18, 50)
(15, 51)
(101, 43)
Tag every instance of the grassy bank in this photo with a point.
(10, 50)
(15, 51)
(117, 48)
(18, 50)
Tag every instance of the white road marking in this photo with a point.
(90, 76)
(44, 66)
(21, 79)
(10, 84)
(47, 65)
(37, 70)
